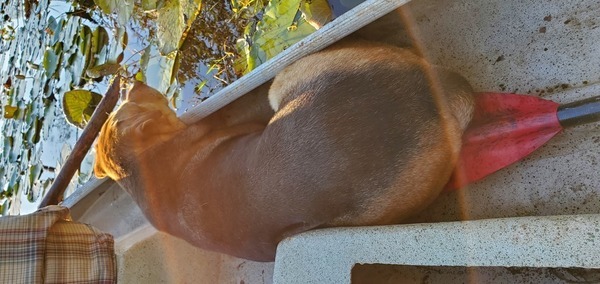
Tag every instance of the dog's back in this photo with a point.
(359, 138)
(364, 133)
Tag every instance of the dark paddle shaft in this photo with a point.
(580, 112)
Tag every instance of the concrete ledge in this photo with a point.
(327, 256)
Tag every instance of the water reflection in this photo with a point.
(43, 61)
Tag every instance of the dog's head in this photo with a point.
(143, 120)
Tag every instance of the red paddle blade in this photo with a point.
(505, 128)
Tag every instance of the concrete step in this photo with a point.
(328, 255)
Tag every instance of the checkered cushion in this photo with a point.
(47, 247)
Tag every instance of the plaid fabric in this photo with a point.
(46, 247)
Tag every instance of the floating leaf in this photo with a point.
(175, 68)
(148, 5)
(33, 134)
(125, 38)
(316, 12)
(85, 43)
(76, 65)
(273, 34)
(58, 48)
(15, 151)
(10, 111)
(98, 41)
(14, 189)
(174, 17)
(28, 114)
(103, 70)
(20, 76)
(8, 142)
(53, 28)
(50, 62)
(170, 26)
(4, 207)
(115, 50)
(32, 65)
(8, 83)
(241, 64)
(34, 172)
(79, 106)
(157, 70)
(123, 8)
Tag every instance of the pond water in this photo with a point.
(42, 57)
(35, 138)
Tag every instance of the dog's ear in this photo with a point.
(141, 92)
(104, 146)
(99, 170)
(155, 125)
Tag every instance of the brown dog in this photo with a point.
(363, 134)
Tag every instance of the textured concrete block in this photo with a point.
(327, 256)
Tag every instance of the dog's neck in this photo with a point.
(150, 180)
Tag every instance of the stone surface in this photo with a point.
(328, 255)
(542, 48)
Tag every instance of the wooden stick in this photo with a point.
(73, 162)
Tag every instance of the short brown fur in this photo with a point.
(357, 139)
